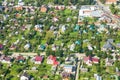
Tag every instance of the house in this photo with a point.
(52, 60)
(43, 8)
(72, 47)
(41, 47)
(77, 28)
(90, 11)
(18, 8)
(65, 76)
(96, 13)
(59, 7)
(69, 69)
(45, 77)
(69, 60)
(90, 60)
(118, 45)
(20, 58)
(38, 59)
(20, 3)
(1, 8)
(63, 28)
(38, 27)
(97, 77)
(109, 62)
(1, 46)
(55, 19)
(109, 45)
(24, 76)
(12, 47)
(6, 59)
(27, 46)
(111, 2)
(84, 69)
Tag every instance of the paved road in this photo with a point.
(77, 71)
(103, 7)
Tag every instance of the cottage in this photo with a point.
(109, 62)
(12, 47)
(111, 2)
(72, 47)
(89, 60)
(43, 8)
(20, 3)
(1, 8)
(24, 76)
(1, 46)
(65, 76)
(69, 68)
(6, 59)
(27, 46)
(20, 58)
(69, 60)
(38, 59)
(52, 60)
(41, 47)
(18, 8)
(84, 69)
(108, 45)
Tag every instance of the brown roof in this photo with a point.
(43, 9)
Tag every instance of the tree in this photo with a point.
(102, 1)
(89, 53)
(66, 2)
(113, 9)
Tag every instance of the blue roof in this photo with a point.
(77, 42)
(77, 27)
(42, 46)
(92, 27)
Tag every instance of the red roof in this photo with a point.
(91, 59)
(95, 60)
(38, 58)
(52, 57)
(56, 63)
(1, 46)
(88, 58)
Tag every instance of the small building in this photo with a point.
(90, 60)
(43, 8)
(109, 62)
(69, 68)
(24, 76)
(20, 58)
(6, 59)
(108, 45)
(38, 59)
(27, 46)
(111, 2)
(65, 76)
(84, 69)
(52, 60)
(1, 46)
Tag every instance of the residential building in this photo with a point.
(111, 2)
(52, 60)
(24, 76)
(69, 68)
(90, 60)
(38, 59)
